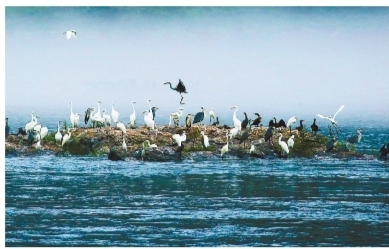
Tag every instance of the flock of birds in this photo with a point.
(35, 132)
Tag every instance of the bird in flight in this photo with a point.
(332, 119)
(70, 34)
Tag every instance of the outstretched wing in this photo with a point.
(321, 116)
(341, 108)
(181, 87)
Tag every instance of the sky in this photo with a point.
(277, 61)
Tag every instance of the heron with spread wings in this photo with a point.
(179, 88)
(332, 119)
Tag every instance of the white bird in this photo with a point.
(204, 140)
(122, 127)
(30, 125)
(150, 145)
(179, 138)
(291, 121)
(114, 113)
(225, 147)
(77, 119)
(176, 116)
(66, 137)
(107, 118)
(183, 136)
(148, 120)
(252, 148)
(211, 115)
(38, 145)
(58, 135)
(133, 115)
(237, 122)
(149, 114)
(38, 127)
(283, 145)
(44, 131)
(70, 33)
(124, 145)
(291, 141)
(233, 132)
(98, 113)
(332, 119)
(72, 116)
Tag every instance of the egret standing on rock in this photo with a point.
(66, 137)
(124, 145)
(107, 118)
(122, 127)
(58, 135)
(283, 145)
(291, 142)
(72, 115)
(179, 88)
(114, 113)
(133, 115)
(204, 140)
(225, 147)
(291, 121)
(237, 122)
(211, 115)
(332, 119)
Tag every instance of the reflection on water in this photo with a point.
(82, 201)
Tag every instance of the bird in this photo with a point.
(199, 116)
(291, 141)
(33, 136)
(66, 137)
(124, 145)
(133, 114)
(280, 124)
(175, 116)
(88, 113)
(151, 145)
(30, 125)
(122, 127)
(38, 145)
(216, 123)
(204, 140)
(141, 152)
(269, 134)
(97, 116)
(107, 118)
(58, 135)
(188, 121)
(283, 145)
(180, 88)
(77, 119)
(21, 132)
(70, 33)
(245, 121)
(114, 156)
(355, 138)
(114, 113)
(301, 126)
(151, 112)
(233, 132)
(245, 135)
(43, 132)
(180, 148)
(331, 144)
(236, 121)
(211, 115)
(6, 127)
(291, 121)
(252, 148)
(179, 138)
(384, 151)
(257, 121)
(332, 119)
(272, 123)
(225, 147)
(72, 115)
(314, 127)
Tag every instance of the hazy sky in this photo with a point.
(271, 60)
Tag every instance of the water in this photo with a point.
(91, 201)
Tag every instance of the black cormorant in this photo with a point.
(314, 127)
(257, 121)
(199, 116)
(6, 127)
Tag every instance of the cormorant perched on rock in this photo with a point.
(245, 121)
(384, 151)
(188, 121)
(272, 123)
(355, 138)
(199, 116)
(269, 134)
(257, 121)
(113, 156)
(179, 88)
(331, 144)
(280, 124)
(6, 127)
(301, 126)
(314, 127)
(32, 136)
(21, 131)
(88, 113)
(216, 123)
(245, 135)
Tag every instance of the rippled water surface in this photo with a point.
(86, 201)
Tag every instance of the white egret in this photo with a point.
(355, 138)
(122, 127)
(58, 135)
(114, 113)
(225, 147)
(291, 142)
(237, 122)
(66, 137)
(283, 145)
(30, 125)
(107, 118)
(133, 114)
(44, 131)
(124, 145)
(291, 121)
(332, 119)
(150, 145)
(77, 119)
(70, 33)
(211, 115)
(72, 115)
(204, 140)
(176, 116)
(252, 148)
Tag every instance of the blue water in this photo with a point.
(91, 201)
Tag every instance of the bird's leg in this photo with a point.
(337, 128)
(182, 97)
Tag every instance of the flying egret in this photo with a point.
(180, 88)
(133, 114)
(70, 33)
(332, 119)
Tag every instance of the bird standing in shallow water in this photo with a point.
(180, 88)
